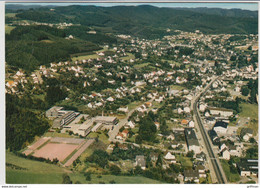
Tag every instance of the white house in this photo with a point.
(170, 158)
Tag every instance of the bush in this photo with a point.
(115, 170)
(112, 182)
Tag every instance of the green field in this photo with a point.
(250, 110)
(139, 66)
(185, 161)
(79, 58)
(10, 15)
(117, 179)
(230, 176)
(36, 172)
(8, 28)
(43, 173)
(128, 57)
(133, 105)
(177, 87)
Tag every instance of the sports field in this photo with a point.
(52, 151)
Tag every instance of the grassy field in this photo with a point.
(102, 137)
(36, 172)
(55, 134)
(133, 105)
(8, 28)
(139, 66)
(250, 110)
(185, 161)
(172, 62)
(177, 87)
(128, 57)
(117, 179)
(79, 58)
(230, 176)
(10, 15)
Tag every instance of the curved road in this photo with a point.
(214, 161)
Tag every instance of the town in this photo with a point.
(182, 109)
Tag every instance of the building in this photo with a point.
(107, 120)
(140, 161)
(53, 112)
(170, 158)
(225, 154)
(192, 141)
(65, 119)
(220, 111)
(214, 137)
(220, 127)
(246, 134)
(191, 175)
(248, 167)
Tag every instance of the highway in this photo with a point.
(220, 176)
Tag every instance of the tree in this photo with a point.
(121, 129)
(87, 176)
(159, 161)
(190, 154)
(252, 140)
(244, 90)
(147, 129)
(66, 179)
(115, 170)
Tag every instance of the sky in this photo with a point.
(244, 6)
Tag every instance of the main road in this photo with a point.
(218, 171)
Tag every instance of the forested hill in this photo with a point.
(137, 20)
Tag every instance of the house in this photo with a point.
(247, 167)
(130, 124)
(201, 170)
(170, 158)
(171, 137)
(246, 134)
(184, 122)
(186, 109)
(191, 124)
(123, 109)
(190, 175)
(201, 156)
(220, 127)
(125, 133)
(225, 154)
(120, 136)
(140, 161)
(192, 141)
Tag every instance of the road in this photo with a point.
(112, 133)
(214, 162)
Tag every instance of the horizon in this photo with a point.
(228, 6)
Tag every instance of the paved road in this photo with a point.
(219, 173)
(112, 134)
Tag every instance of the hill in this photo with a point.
(149, 21)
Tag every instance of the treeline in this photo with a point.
(22, 124)
(27, 47)
(146, 21)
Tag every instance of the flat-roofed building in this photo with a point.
(192, 140)
(107, 120)
(220, 111)
(53, 112)
(248, 167)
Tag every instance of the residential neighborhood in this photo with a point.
(182, 109)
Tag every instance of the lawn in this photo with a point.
(250, 110)
(36, 172)
(10, 15)
(177, 87)
(230, 176)
(133, 105)
(128, 57)
(139, 66)
(102, 137)
(185, 161)
(8, 28)
(117, 179)
(55, 134)
(79, 58)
